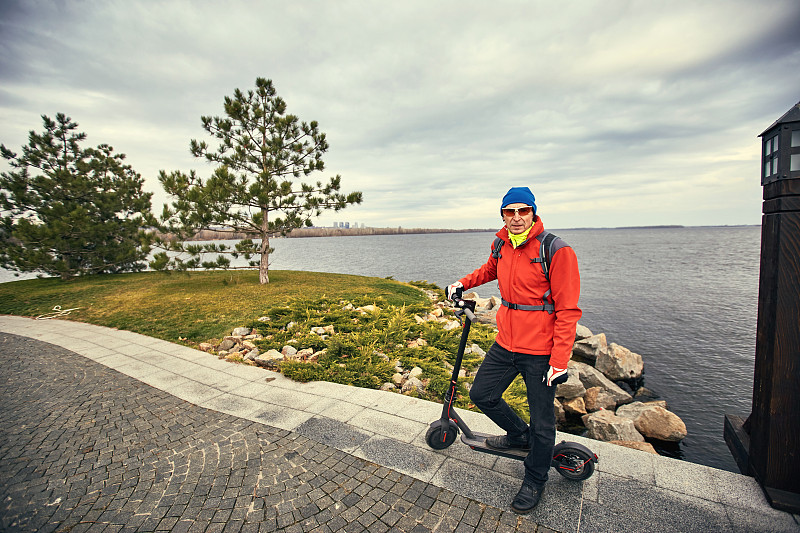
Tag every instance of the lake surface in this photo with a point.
(683, 298)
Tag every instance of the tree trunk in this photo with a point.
(263, 268)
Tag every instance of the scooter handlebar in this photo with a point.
(470, 315)
(466, 307)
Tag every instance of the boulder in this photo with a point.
(397, 378)
(591, 377)
(226, 344)
(574, 406)
(597, 398)
(632, 410)
(641, 446)
(582, 332)
(558, 410)
(479, 302)
(388, 387)
(415, 372)
(655, 422)
(270, 359)
(643, 394)
(241, 331)
(487, 316)
(451, 324)
(590, 348)
(289, 351)
(605, 425)
(206, 346)
(413, 384)
(618, 362)
(475, 349)
(572, 388)
(304, 354)
(251, 355)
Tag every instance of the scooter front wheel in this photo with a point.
(439, 437)
(574, 464)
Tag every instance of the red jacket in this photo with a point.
(522, 282)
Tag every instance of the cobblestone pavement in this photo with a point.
(85, 448)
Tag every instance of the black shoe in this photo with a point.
(504, 442)
(526, 499)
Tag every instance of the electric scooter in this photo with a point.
(572, 460)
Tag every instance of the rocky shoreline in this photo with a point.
(603, 396)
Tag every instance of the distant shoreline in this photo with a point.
(300, 233)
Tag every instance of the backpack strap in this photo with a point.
(546, 306)
(550, 244)
(496, 245)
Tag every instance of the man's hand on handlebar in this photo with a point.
(454, 291)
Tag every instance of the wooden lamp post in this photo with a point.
(767, 444)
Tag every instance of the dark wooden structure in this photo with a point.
(767, 444)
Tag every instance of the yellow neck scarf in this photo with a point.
(516, 240)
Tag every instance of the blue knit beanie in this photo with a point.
(519, 195)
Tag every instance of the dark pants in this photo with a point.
(495, 374)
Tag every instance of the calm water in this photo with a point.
(684, 298)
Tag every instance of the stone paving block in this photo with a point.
(336, 409)
(627, 505)
(415, 462)
(129, 349)
(276, 396)
(137, 369)
(332, 433)
(246, 372)
(281, 417)
(686, 478)
(397, 428)
(194, 392)
(164, 379)
(235, 405)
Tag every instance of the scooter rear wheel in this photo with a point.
(574, 464)
(439, 437)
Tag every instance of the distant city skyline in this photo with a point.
(614, 113)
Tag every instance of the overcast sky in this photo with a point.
(615, 113)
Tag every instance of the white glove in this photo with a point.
(555, 376)
(454, 290)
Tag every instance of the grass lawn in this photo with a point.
(194, 306)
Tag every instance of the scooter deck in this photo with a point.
(479, 445)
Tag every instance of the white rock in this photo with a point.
(606, 426)
(619, 362)
(573, 387)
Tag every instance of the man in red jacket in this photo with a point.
(536, 331)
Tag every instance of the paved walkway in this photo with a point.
(107, 430)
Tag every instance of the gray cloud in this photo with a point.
(614, 112)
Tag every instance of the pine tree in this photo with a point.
(68, 210)
(262, 154)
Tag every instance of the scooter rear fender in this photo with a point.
(564, 445)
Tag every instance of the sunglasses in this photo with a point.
(521, 211)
